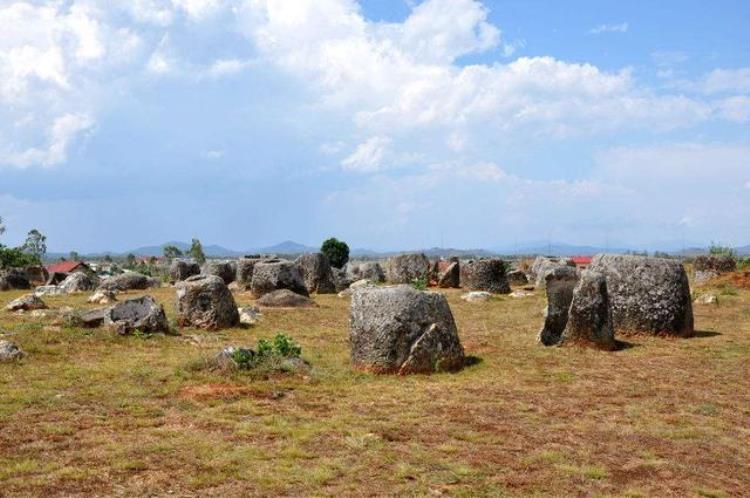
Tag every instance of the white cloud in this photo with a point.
(368, 156)
(727, 80)
(717, 81)
(735, 109)
(227, 67)
(64, 131)
(214, 154)
(52, 58)
(400, 80)
(677, 164)
(610, 28)
(439, 31)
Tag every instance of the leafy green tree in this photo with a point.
(107, 258)
(337, 252)
(36, 244)
(171, 252)
(11, 257)
(130, 261)
(720, 250)
(74, 256)
(196, 251)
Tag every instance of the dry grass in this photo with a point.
(91, 414)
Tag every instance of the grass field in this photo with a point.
(88, 413)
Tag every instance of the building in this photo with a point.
(582, 262)
(58, 271)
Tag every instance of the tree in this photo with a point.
(36, 244)
(130, 261)
(74, 256)
(720, 250)
(2, 226)
(196, 251)
(171, 252)
(337, 252)
(11, 257)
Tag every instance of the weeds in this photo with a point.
(419, 283)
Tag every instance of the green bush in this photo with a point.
(419, 283)
(244, 358)
(720, 250)
(337, 252)
(268, 354)
(16, 258)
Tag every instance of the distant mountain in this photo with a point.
(286, 247)
(213, 251)
(557, 249)
(291, 248)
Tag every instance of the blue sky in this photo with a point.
(392, 124)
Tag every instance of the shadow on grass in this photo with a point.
(623, 345)
(471, 360)
(703, 333)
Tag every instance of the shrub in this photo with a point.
(337, 252)
(16, 258)
(280, 354)
(720, 263)
(419, 283)
(720, 250)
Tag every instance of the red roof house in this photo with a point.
(582, 261)
(66, 267)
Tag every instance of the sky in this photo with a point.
(391, 124)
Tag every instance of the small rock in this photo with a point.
(142, 313)
(225, 358)
(520, 294)
(103, 296)
(707, 299)
(517, 277)
(359, 284)
(284, 298)
(87, 319)
(78, 282)
(249, 315)
(10, 352)
(127, 281)
(48, 290)
(26, 303)
(476, 296)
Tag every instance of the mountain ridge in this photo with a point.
(290, 247)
